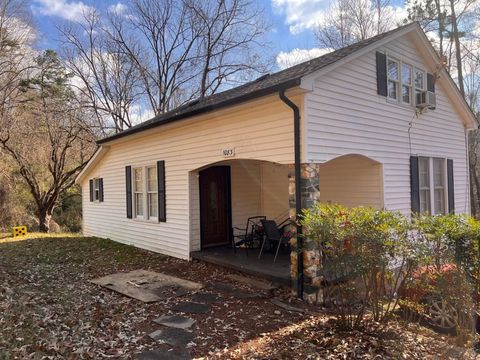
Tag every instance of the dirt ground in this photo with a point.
(50, 310)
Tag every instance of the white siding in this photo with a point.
(344, 115)
(352, 181)
(261, 129)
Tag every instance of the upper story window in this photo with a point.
(96, 189)
(419, 81)
(392, 79)
(406, 84)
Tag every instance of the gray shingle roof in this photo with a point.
(264, 85)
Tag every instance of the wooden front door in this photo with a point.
(215, 208)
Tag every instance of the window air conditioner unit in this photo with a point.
(426, 99)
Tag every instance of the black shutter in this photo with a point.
(128, 181)
(162, 209)
(430, 83)
(451, 187)
(90, 182)
(100, 189)
(414, 184)
(381, 74)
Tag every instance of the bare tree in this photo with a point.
(226, 32)
(158, 55)
(105, 79)
(349, 21)
(45, 137)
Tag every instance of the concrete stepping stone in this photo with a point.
(173, 336)
(192, 308)
(163, 355)
(175, 321)
(206, 298)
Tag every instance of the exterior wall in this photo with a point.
(352, 181)
(344, 115)
(261, 129)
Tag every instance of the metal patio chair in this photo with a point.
(248, 235)
(273, 234)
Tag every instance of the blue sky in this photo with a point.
(292, 20)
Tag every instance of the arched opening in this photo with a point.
(352, 180)
(249, 188)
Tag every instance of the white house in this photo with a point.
(378, 123)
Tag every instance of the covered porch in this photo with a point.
(226, 194)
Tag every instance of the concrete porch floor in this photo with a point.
(249, 263)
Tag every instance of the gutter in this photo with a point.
(298, 195)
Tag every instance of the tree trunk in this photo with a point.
(458, 52)
(44, 217)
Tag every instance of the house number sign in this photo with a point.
(228, 152)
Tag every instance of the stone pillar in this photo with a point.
(312, 274)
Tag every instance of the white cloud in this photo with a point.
(117, 8)
(301, 14)
(296, 56)
(140, 114)
(68, 10)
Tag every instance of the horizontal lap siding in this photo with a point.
(346, 116)
(261, 130)
(351, 181)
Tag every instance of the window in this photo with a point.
(96, 189)
(145, 192)
(439, 185)
(419, 81)
(431, 173)
(424, 174)
(392, 79)
(152, 192)
(406, 84)
(138, 192)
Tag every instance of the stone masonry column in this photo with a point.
(312, 272)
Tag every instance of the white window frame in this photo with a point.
(145, 193)
(424, 81)
(432, 185)
(399, 83)
(152, 192)
(410, 85)
(96, 189)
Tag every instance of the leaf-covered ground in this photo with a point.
(50, 310)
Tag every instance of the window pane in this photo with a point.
(439, 201)
(438, 168)
(392, 70)
(138, 180)
(152, 179)
(392, 89)
(406, 74)
(419, 79)
(139, 204)
(423, 169)
(425, 201)
(406, 94)
(152, 205)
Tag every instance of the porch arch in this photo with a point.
(352, 180)
(258, 187)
